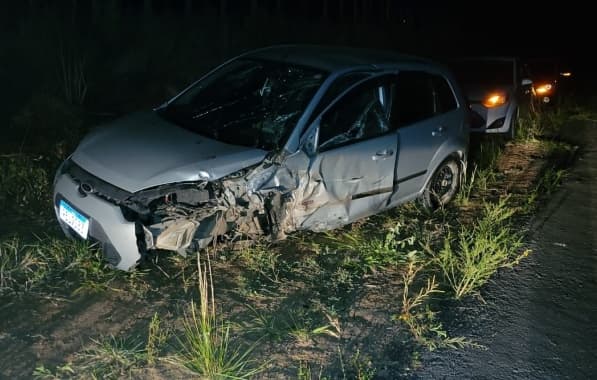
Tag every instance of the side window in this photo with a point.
(361, 114)
(337, 87)
(413, 99)
(444, 97)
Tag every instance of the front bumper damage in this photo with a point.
(180, 217)
(107, 223)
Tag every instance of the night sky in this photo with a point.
(140, 42)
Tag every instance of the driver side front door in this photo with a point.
(352, 174)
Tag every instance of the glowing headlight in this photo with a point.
(543, 89)
(494, 100)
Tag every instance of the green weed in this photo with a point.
(358, 367)
(373, 252)
(110, 358)
(551, 179)
(468, 259)
(416, 314)
(530, 127)
(467, 186)
(305, 372)
(262, 260)
(296, 324)
(156, 338)
(303, 327)
(105, 358)
(268, 326)
(41, 372)
(361, 367)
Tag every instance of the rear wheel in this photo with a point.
(443, 185)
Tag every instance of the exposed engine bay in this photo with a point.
(191, 215)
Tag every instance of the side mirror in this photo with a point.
(526, 82)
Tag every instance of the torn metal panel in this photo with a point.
(177, 236)
(338, 178)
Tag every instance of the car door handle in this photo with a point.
(382, 154)
(438, 131)
(355, 179)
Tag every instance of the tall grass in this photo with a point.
(488, 154)
(481, 173)
(543, 122)
(51, 265)
(24, 184)
(479, 180)
(469, 258)
(207, 347)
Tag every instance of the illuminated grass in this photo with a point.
(469, 258)
(372, 251)
(207, 347)
(53, 265)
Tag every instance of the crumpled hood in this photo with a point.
(143, 150)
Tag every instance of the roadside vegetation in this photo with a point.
(291, 309)
(333, 305)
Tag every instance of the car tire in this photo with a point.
(443, 185)
(511, 134)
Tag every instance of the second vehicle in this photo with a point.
(495, 90)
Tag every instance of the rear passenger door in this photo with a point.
(421, 113)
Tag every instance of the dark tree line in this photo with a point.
(328, 10)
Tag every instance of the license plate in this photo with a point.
(74, 219)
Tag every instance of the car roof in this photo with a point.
(332, 58)
(484, 58)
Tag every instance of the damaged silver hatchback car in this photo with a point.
(276, 140)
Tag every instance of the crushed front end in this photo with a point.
(175, 217)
